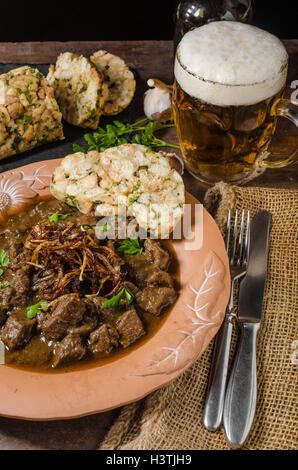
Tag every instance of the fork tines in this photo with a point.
(238, 245)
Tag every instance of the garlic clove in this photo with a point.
(158, 101)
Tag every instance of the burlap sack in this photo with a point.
(171, 418)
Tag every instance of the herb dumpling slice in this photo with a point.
(29, 113)
(145, 183)
(75, 181)
(119, 79)
(79, 88)
(130, 177)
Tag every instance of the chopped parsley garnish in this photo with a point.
(56, 216)
(28, 119)
(136, 187)
(78, 148)
(141, 132)
(114, 301)
(29, 96)
(2, 286)
(104, 227)
(131, 247)
(34, 310)
(73, 200)
(129, 297)
(4, 259)
(89, 227)
(37, 74)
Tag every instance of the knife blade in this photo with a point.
(252, 287)
(241, 395)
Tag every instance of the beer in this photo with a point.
(228, 77)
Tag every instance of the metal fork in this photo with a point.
(238, 250)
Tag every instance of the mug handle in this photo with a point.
(284, 108)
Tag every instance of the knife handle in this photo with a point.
(241, 396)
(218, 376)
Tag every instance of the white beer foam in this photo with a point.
(228, 64)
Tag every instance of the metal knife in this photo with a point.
(241, 394)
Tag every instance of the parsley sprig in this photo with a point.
(4, 262)
(114, 301)
(36, 309)
(55, 217)
(141, 132)
(131, 246)
(105, 228)
(4, 259)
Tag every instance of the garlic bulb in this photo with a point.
(158, 101)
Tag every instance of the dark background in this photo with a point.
(120, 19)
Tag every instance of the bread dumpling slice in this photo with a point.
(119, 79)
(130, 178)
(29, 113)
(80, 89)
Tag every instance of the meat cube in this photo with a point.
(70, 349)
(140, 268)
(88, 325)
(67, 312)
(5, 297)
(21, 285)
(155, 254)
(153, 299)
(97, 302)
(104, 339)
(145, 273)
(89, 322)
(159, 278)
(106, 315)
(17, 332)
(129, 327)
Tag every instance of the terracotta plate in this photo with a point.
(181, 339)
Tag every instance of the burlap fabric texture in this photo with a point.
(171, 418)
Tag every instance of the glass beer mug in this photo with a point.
(194, 13)
(229, 83)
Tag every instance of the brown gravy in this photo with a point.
(21, 222)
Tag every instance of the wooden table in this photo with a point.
(150, 59)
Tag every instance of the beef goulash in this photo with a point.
(29, 113)
(67, 295)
